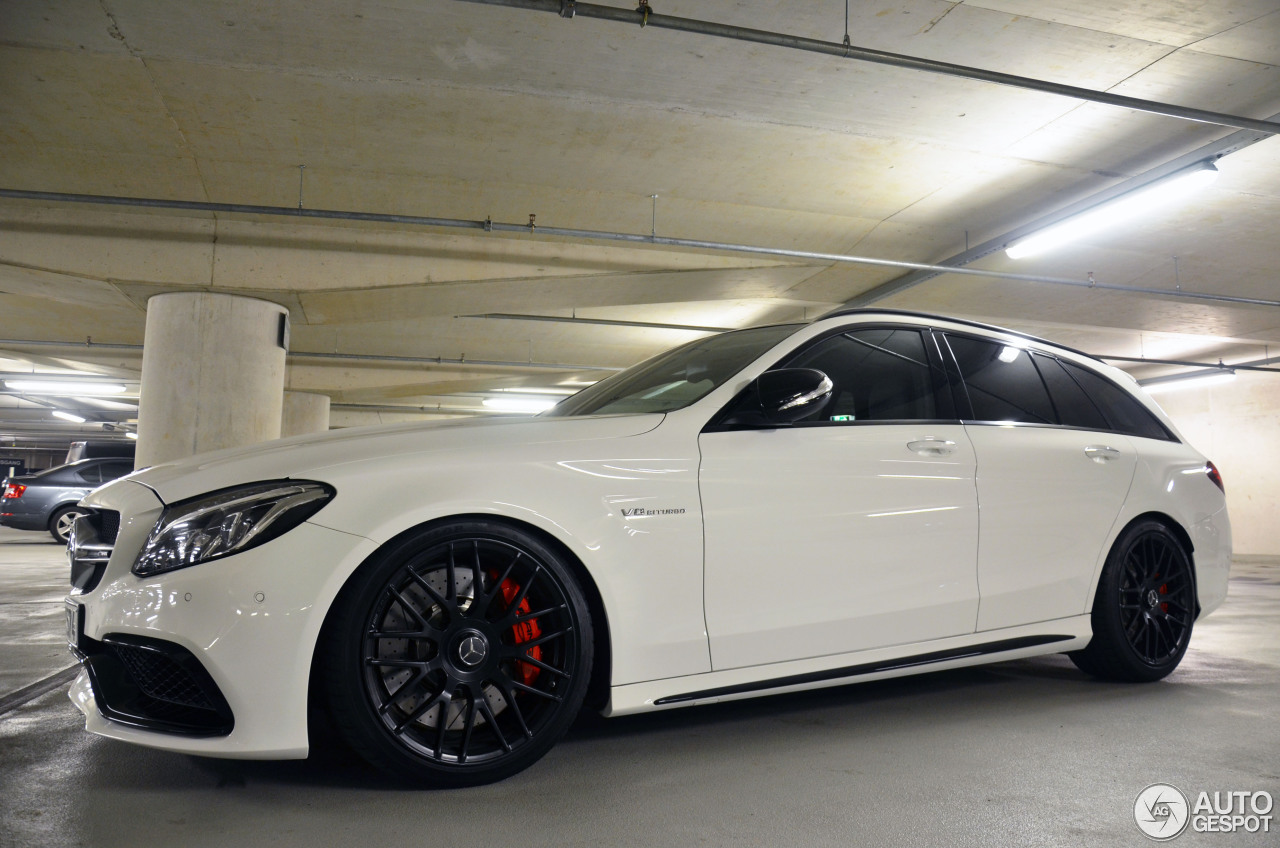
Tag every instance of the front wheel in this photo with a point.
(1144, 608)
(459, 655)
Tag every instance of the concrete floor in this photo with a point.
(1020, 753)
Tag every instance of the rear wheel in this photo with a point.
(62, 519)
(1144, 608)
(460, 655)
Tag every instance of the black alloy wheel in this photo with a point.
(1144, 609)
(461, 657)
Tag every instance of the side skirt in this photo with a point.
(865, 668)
(733, 684)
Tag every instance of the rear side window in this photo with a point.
(1074, 407)
(112, 470)
(880, 374)
(1002, 382)
(1126, 414)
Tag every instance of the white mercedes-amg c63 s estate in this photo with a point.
(872, 494)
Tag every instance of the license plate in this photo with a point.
(73, 626)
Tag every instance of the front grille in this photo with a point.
(93, 536)
(156, 685)
(110, 526)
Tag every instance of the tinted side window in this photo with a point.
(112, 470)
(879, 374)
(90, 474)
(1124, 412)
(1002, 382)
(1073, 405)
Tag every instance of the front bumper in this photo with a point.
(250, 622)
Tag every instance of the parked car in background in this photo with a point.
(47, 499)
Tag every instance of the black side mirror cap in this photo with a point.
(789, 394)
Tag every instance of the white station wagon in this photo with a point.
(872, 494)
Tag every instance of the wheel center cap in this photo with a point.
(472, 650)
(1153, 598)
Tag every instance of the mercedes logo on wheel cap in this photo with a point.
(472, 650)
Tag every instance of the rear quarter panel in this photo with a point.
(1171, 479)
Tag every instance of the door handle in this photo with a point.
(1101, 453)
(932, 447)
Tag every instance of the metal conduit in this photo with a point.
(645, 17)
(600, 235)
(364, 357)
(1251, 365)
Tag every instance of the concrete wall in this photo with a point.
(1237, 426)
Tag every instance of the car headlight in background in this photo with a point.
(223, 523)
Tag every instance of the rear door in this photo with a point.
(1051, 476)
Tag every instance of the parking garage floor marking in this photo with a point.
(40, 687)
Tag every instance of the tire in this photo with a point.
(62, 519)
(439, 684)
(1144, 609)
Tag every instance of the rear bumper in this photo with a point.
(1211, 537)
(24, 521)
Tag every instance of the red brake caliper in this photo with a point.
(523, 631)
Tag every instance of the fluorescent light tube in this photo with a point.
(39, 387)
(525, 390)
(530, 405)
(1196, 380)
(67, 416)
(1134, 204)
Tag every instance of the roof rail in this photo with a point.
(872, 310)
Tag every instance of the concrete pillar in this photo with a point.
(212, 374)
(304, 413)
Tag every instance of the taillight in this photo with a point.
(1212, 470)
(14, 490)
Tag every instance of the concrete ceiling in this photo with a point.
(453, 110)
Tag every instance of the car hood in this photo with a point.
(308, 456)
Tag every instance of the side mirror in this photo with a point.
(789, 394)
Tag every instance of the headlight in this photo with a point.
(227, 522)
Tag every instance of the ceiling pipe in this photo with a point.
(488, 226)
(1251, 365)
(446, 409)
(440, 360)
(644, 16)
(363, 357)
(607, 322)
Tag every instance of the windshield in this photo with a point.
(677, 378)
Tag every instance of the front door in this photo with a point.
(856, 529)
